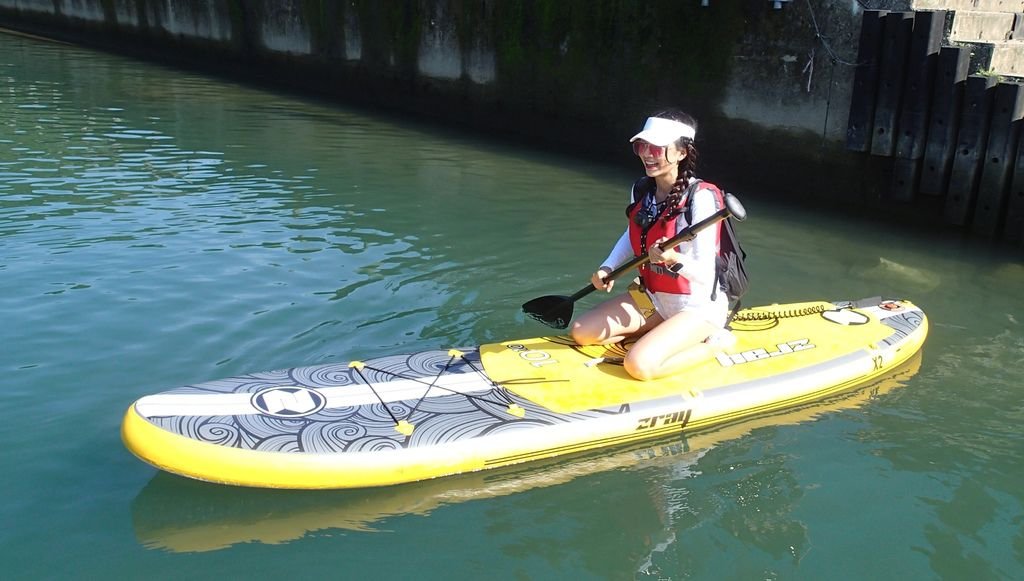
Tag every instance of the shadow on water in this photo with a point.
(179, 515)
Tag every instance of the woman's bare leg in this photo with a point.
(669, 347)
(611, 322)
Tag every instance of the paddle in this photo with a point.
(556, 310)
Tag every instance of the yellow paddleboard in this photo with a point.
(403, 418)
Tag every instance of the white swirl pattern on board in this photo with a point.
(902, 325)
(280, 443)
(218, 433)
(441, 417)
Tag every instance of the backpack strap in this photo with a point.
(692, 189)
(641, 188)
(688, 213)
(688, 199)
(732, 314)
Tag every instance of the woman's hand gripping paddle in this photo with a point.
(556, 310)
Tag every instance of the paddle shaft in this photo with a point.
(687, 234)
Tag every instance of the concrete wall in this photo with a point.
(771, 87)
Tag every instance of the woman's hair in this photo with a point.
(687, 165)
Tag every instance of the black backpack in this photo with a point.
(731, 272)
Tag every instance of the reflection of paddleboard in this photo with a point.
(412, 417)
(181, 516)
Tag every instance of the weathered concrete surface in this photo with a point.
(981, 26)
(968, 5)
(771, 88)
(990, 28)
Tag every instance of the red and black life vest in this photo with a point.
(656, 277)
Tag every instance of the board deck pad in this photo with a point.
(560, 375)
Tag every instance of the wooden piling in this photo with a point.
(947, 96)
(916, 101)
(917, 93)
(905, 174)
(1000, 156)
(865, 82)
(970, 148)
(896, 33)
(1013, 226)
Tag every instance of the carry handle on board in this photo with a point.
(556, 310)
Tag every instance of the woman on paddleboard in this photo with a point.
(675, 312)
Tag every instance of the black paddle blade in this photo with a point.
(552, 310)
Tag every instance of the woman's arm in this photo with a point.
(623, 249)
(621, 252)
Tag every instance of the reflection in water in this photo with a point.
(181, 515)
(752, 501)
(977, 463)
(889, 272)
(201, 198)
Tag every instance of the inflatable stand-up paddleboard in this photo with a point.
(218, 517)
(403, 418)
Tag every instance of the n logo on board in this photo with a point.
(288, 402)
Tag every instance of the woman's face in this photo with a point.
(658, 160)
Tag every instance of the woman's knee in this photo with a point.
(585, 333)
(638, 366)
(610, 321)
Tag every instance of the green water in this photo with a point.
(159, 228)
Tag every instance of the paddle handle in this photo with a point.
(688, 233)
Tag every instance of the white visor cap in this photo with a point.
(661, 131)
